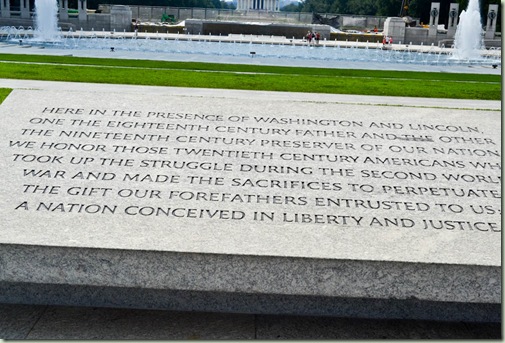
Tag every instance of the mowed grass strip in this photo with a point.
(245, 68)
(250, 77)
(4, 92)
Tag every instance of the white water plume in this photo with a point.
(46, 16)
(468, 40)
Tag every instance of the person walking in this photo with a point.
(136, 27)
(309, 37)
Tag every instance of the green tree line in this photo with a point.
(387, 8)
(93, 4)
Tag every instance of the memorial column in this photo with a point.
(452, 23)
(492, 15)
(24, 6)
(63, 9)
(434, 15)
(5, 7)
(83, 13)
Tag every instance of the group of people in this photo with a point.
(313, 37)
(387, 40)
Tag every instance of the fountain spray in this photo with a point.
(46, 24)
(468, 40)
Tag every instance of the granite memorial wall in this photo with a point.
(308, 179)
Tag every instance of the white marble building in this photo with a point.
(265, 5)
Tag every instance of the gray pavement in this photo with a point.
(32, 322)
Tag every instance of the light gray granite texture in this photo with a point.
(250, 202)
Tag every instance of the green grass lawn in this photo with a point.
(3, 94)
(251, 77)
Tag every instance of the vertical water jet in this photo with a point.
(46, 20)
(468, 40)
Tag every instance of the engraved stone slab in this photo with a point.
(255, 195)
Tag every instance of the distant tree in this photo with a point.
(320, 6)
(341, 6)
(228, 5)
(363, 7)
(292, 7)
(388, 8)
(93, 4)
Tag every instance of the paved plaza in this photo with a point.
(30, 322)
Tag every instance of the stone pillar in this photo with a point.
(434, 15)
(120, 18)
(394, 27)
(5, 7)
(63, 9)
(24, 7)
(83, 12)
(194, 26)
(492, 16)
(452, 23)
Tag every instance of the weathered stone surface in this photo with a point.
(59, 322)
(16, 321)
(251, 195)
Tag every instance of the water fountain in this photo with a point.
(214, 48)
(46, 19)
(468, 41)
